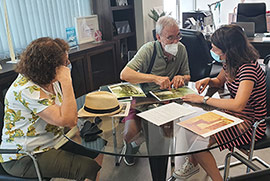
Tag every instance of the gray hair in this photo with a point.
(163, 22)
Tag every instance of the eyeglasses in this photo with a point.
(177, 37)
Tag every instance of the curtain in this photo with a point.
(31, 19)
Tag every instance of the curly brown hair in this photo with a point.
(41, 58)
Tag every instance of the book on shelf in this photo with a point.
(126, 90)
(210, 123)
(71, 36)
(172, 94)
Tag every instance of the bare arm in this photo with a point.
(212, 82)
(66, 114)
(135, 77)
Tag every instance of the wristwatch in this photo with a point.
(205, 98)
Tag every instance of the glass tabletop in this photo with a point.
(166, 140)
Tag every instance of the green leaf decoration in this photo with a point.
(45, 102)
(59, 97)
(53, 129)
(33, 89)
(31, 131)
(155, 15)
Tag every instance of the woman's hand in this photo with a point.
(193, 98)
(202, 84)
(63, 74)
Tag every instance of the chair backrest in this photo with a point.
(3, 174)
(267, 71)
(253, 12)
(199, 57)
(252, 176)
(1, 119)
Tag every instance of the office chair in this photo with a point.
(3, 174)
(261, 175)
(265, 141)
(258, 174)
(198, 50)
(253, 12)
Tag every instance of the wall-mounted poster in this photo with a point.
(86, 27)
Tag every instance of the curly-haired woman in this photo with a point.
(37, 109)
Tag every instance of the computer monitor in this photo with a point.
(248, 27)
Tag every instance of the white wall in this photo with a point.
(144, 24)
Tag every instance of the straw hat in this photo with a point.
(100, 103)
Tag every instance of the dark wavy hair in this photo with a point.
(233, 42)
(41, 58)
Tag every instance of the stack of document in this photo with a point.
(166, 113)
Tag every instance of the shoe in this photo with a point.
(187, 170)
(129, 149)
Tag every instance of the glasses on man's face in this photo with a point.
(172, 38)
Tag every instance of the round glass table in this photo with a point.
(156, 142)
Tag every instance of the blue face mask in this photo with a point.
(69, 66)
(216, 57)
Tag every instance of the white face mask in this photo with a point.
(172, 48)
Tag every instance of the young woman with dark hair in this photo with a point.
(246, 83)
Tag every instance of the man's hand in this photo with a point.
(164, 82)
(178, 81)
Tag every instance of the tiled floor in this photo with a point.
(141, 171)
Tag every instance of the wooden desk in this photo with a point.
(262, 46)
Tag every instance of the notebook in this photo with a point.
(248, 27)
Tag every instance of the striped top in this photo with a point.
(256, 105)
(254, 110)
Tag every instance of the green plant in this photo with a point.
(155, 15)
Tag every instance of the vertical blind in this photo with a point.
(31, 19)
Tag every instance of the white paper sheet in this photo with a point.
(165, 113)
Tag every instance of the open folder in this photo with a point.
(210, 123)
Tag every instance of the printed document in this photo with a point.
(165, 113)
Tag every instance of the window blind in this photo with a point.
(32, 19)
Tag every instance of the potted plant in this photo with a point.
(155, 15)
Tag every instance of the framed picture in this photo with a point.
(86, 27)
(121, 2)
(122, 27)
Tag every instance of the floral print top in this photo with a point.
(23, 128)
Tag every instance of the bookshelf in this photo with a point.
(110, 15)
